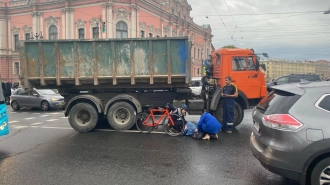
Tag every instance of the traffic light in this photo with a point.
(104, 27)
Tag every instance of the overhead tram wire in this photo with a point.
(220, 17)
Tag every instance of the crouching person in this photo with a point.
(209, 125)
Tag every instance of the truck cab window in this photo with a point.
(251, 66)
(239, 64)
(218, 60)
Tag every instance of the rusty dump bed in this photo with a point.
(112, 62)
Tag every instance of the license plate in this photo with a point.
(256, 126)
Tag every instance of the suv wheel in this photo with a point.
(321, 172)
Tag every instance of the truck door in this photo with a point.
(245, 76)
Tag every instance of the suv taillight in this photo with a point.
(281, 122)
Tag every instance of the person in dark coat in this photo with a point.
(209, 125)
(229, 94)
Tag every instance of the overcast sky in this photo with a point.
(276, 29)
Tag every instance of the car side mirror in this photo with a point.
(275, 82)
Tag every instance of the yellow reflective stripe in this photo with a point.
(235, 87)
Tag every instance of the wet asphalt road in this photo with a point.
(43, 149)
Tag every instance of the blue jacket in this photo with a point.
(208, 124)
(189, 129)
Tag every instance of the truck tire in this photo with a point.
(83, 117)
(121, 116)
(239, 114)
(323, 167)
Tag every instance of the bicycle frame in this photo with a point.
(154, 123)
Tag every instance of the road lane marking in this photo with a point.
(38, 123)
(30, 118)
(64, 117)
(58, 127)
(55, 113)
(52, 120)
(13, 112)
(42, 116)
(13, 121)
(19, 127)
(36, 113)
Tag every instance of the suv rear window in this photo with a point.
(277, 102)
(312, 78)
(325, 103)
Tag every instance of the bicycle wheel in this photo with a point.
(140, 118)
(171, 130)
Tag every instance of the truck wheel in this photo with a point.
(121, 116)
(321, 172)
(238, 112)
(83, 117)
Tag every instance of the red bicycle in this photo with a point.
(146, 121)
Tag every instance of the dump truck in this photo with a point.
(117, 78)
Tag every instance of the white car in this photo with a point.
(196, 87)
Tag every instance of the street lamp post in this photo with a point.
(37, 35)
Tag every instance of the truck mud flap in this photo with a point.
(215, 99)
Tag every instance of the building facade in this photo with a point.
(96, 19)
(275, 69)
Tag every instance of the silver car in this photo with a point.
(44, 99)
(291, 135)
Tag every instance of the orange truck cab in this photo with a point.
(243, 67)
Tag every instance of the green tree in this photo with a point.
(229, 46)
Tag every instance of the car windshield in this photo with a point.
(197, 83)
(46, 92)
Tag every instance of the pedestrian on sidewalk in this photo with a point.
(229, 93)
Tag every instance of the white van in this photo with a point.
(196, 86)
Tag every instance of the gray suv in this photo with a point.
(291, 134)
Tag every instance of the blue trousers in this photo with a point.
(228, 113)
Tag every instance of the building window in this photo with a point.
(142, 34)
(198, 54)
(121, 30)
(81, 33)
(16, 68)
(16, 42)
(95, 32)
(53, 33)
(150, 34)
(165, 35)
(194, 52)
(27, 36)
(157, 36)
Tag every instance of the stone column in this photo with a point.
(110, 21)
(133, 21)
(10, 37)
(41, 23)
(170, 25)
(63, 24)
(104, 19)
(72, 27)
(34, 22)
(67, 24)
(3, 22)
